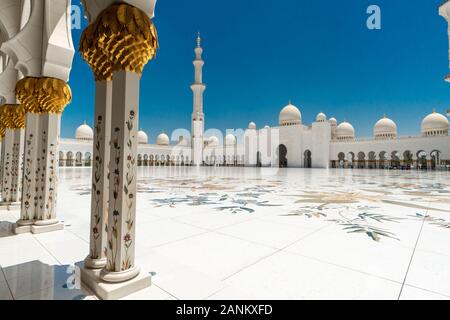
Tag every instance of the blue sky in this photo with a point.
(259, 54)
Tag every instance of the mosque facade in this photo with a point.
(293, 144)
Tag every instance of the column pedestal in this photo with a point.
(112, 291)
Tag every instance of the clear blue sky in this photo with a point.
(259, 54)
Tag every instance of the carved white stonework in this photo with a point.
(44, 47)
(92, 8)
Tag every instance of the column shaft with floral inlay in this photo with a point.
(13, 118)
(100, 174)
(127, 38)
(28, 212)
(53, 95)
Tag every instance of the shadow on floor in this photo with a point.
(6, 229)
(35, 280)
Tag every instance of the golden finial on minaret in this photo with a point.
(199, 40)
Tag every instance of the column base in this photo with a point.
(112, 291)
(10, 205)
(23, 226)
(44, 226)
(95, 264)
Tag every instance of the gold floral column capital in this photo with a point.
(43, 95)
(122, 34)
(12, 116)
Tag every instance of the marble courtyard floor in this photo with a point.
(235, 233)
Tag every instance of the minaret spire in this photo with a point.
(199, 40)
(198, 117)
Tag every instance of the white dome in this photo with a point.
(252, 125)
(213, 141)
(266, 127)
(333, 121)
(163, 140)
(142, 137)
(385, 128)
(435, 124)
(290, 115)
(230, 140)
(84, 132)
(321, 117)
(345, 131)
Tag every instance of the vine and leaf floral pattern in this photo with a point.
(97, 195)
(6, 177)
(52, 183)
(27, 180)
(127, 197)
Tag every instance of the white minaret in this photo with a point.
(444, 11)
(198, 117)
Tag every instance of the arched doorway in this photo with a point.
(395, 160)
(361, 160)
(61, 159)
(422, 160)
(308, 159)
(87, 159)
(351, 160)
(69, 159)
(408, 161)
(372, 160)
(435, 159)
(341, 159)
(282, 156)
(382, 161)
(79, 159)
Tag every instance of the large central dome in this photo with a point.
(290, 116)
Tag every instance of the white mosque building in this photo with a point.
(323, 144)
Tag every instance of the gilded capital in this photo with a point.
(43, 95)
(121, 38)
(12, 116)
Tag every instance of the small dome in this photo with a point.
(84, 132)
(266, 127)
(213, 141)
(163, 140)
(435, 124)
(333, 122)
(142, 137)
(321, 117)
(345, 131)
(252, 126)
(290, 115)
(230, 140)
(385, 128)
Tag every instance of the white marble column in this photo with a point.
(100, 172)
(29, 188)
(47, 173)
(121, 224)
